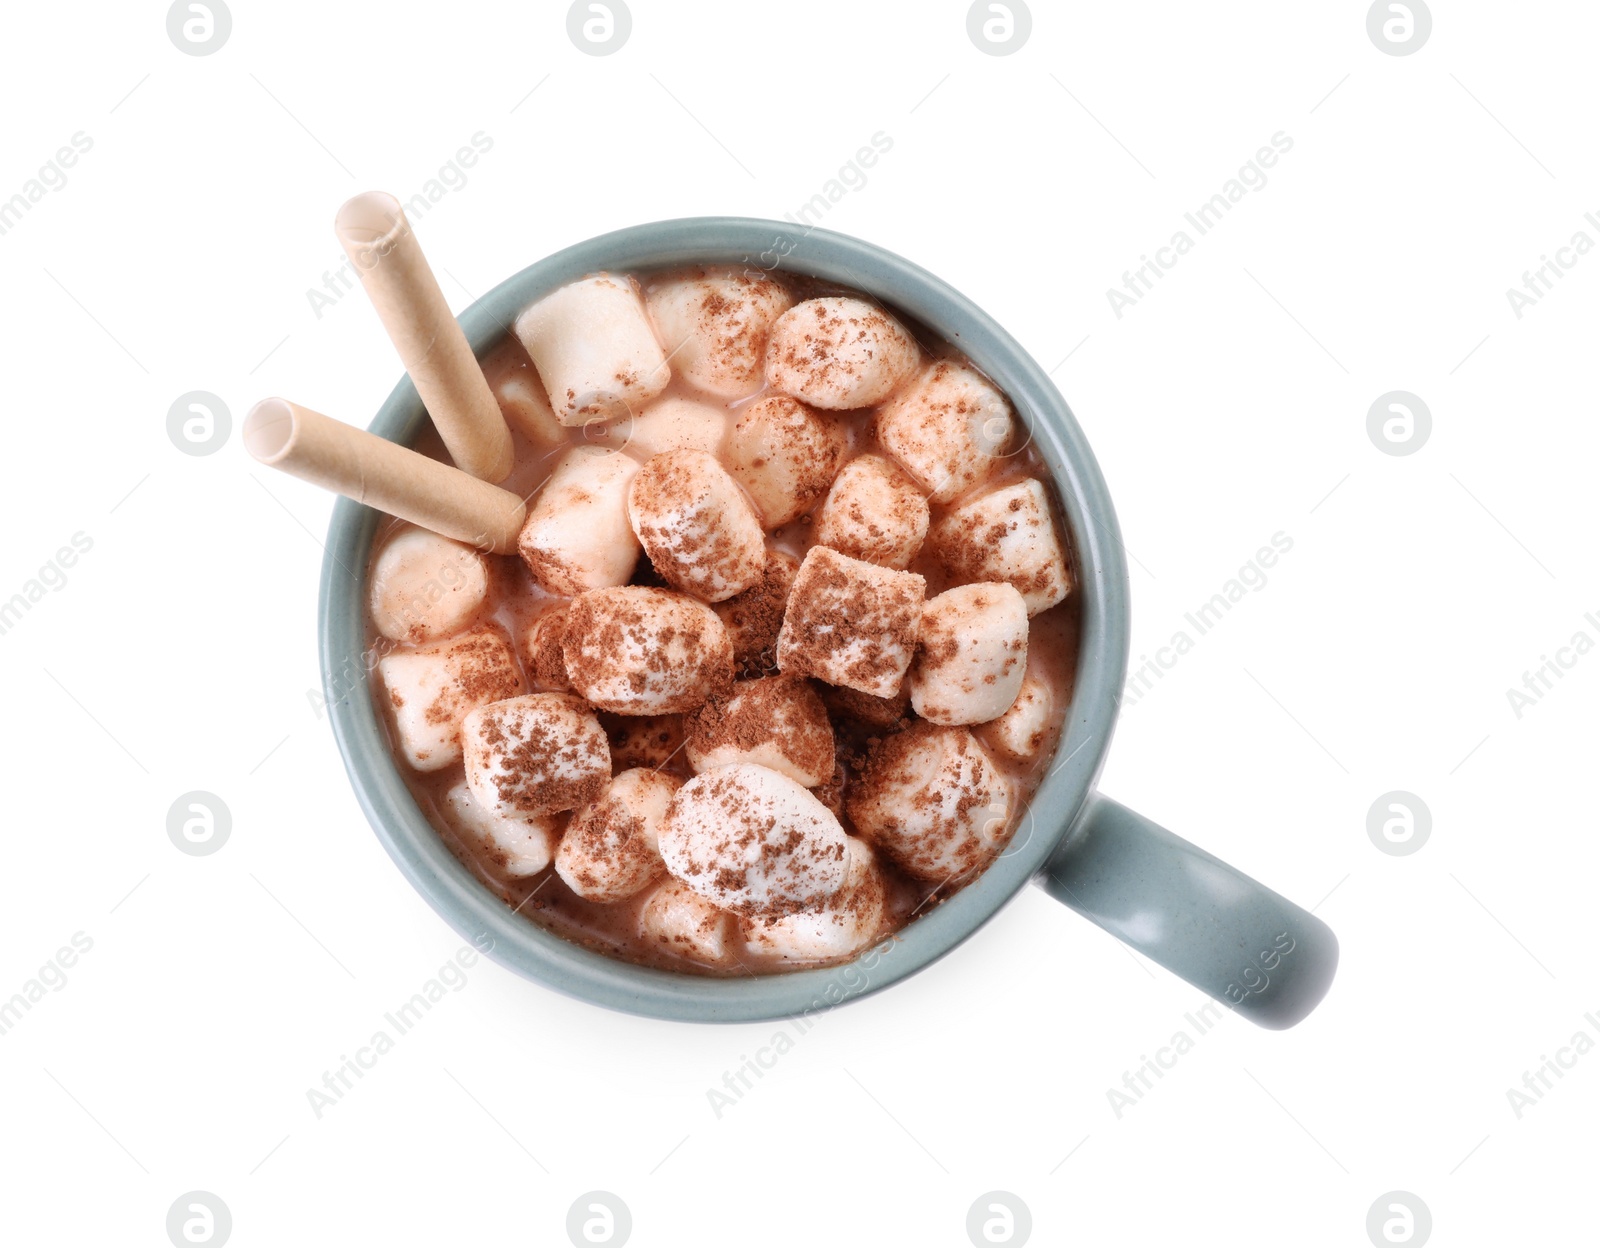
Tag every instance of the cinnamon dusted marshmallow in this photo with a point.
(840, 353)
(874, 512)
(636, 650)
(677, 920)
(577, 535)
(715, 328)
(433, 688)
(949, 428)
(534, 755)
(1008, 534)
(609, 850)
(425, 586)
(696, 525)
(778, 721)
(846, 923)
(668, 424)
(754, 617)
(526, 409)
(1020, 734)
(752, 841)
(785, 455)
(653, 741)
(595, 351)
(516, 847)
(931, 801)
(542, 655)
(851, 623)
(973, 655)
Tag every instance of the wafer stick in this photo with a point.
(379, 240)
(382, 474)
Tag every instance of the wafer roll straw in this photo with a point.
(379, 240)
(392, 478)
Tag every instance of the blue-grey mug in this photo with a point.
(1254, 951)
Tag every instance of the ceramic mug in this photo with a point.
(1233, 938)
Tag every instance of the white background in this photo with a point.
(180, 652)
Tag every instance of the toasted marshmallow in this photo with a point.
(526, 408)
(641, 651)
(516, 848)
(425, 586)
(715, 328)
(652, 741)
(668, 424)
(932, 802)
(846, 923)
(851, 623)
(432, 689)
(785, 455)
(754, 617)
(752, 841)
(595, 351)
(542, 655)
(778, 721)
(874, 512)
(696, 525)
(677, 920)
(1010, 535)
(838, 353)
(609, 850)
(973, 654)
(577, 535)
(535, 755)
(949, 428)
(1020, 734)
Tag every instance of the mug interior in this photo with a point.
(539, 955)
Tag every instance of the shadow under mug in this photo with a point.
(1233, 938)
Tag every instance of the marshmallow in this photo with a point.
(432, 689)
(973, 654)
(636, 650)
(577, 534)
(949, 428)
(653, 741)
(932, 802)
(425, 586)
(846, 923)
(526, 408)
(668, 424)
(595, 351)
(851, 623)
(715, 328)
(778, 721)
(1020, 734)
(542, 655)
(696, 525)
(785, 455)
(874, 512)
(534, 755)
(754, 617)
(839, 353)
(516, 848)
(679, 921)
(609, 851)
(750, 840)
(1008, 534)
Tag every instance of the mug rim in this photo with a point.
(476, 912)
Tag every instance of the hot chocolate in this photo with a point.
(786, 644)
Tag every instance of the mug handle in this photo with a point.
(1256, 952)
